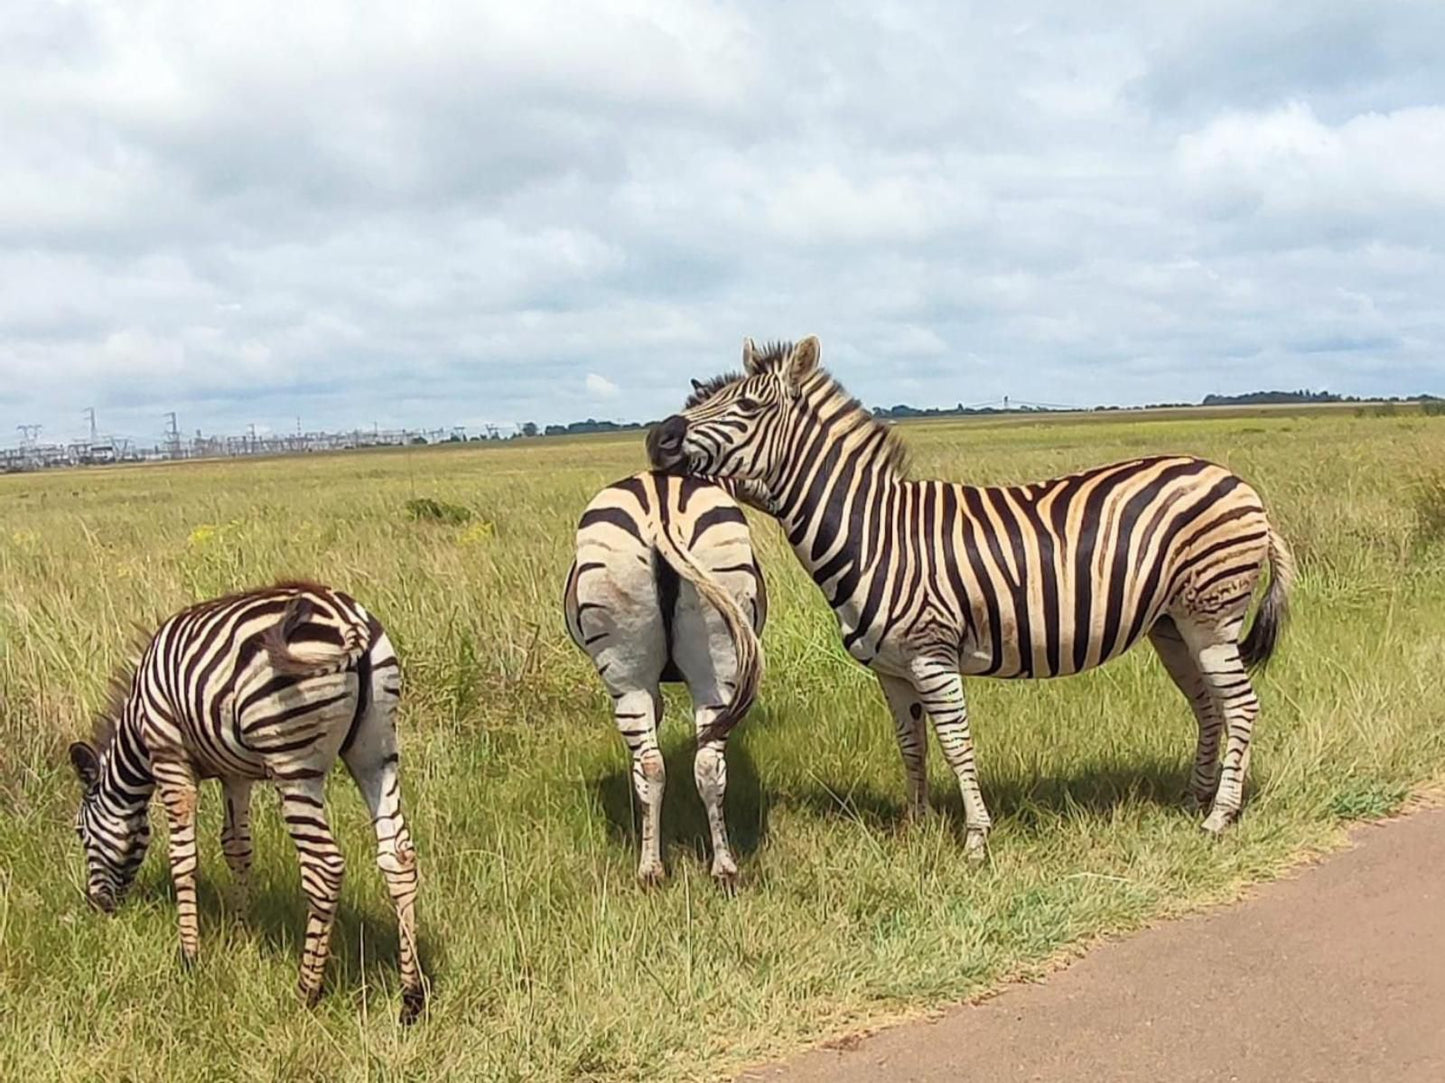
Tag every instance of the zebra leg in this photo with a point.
(710, 772)
(1224, 674)
(322, 869)
(236, 837)
(176, 783)
(637, 713)
(910, 723)
(940, 687)
(1179, 663)
(373, 760)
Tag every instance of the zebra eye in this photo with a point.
(749, 403)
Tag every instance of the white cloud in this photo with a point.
(242, 212)
(601, 387)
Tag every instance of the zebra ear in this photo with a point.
(751, 364)
(802, 362)
(86, 764)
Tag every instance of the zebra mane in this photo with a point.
(103, 726)
(894, 452)
(703, 390)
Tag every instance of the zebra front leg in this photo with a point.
(910, 723)
(176, 783)
(637, 714)
(322, 869)
(1180, 665)
(940, 687)
(710, 772)
(372, 761)
(236, 838)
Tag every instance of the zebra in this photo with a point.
(651, 549)
(932, 581)
(269, 684)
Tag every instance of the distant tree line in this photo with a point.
(901, 411)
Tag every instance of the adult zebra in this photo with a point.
(268, 684)
(663, 573)
(932, 580)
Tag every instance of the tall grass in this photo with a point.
(548, 961)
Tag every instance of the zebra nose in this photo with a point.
(664, 442)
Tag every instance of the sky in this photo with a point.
(436, 214)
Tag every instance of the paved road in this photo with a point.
(1335, 974)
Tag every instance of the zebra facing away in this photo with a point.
(931, 581)
(270, 684)
(665, 588)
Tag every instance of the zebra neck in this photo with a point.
(126, 779)
(834, 509)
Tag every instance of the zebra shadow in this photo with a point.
(1028, 801)
(684, 820)
(365, 943)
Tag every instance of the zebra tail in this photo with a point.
(1263, 636)
(746, 648)
(319, 659)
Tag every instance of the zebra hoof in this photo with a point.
(975, 844)
(1217, 821)
(651, 875)
(727, 880)
(413, 1003)
(310, 997)
(188, 960)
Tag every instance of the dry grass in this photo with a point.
(548, 961)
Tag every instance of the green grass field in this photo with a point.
(548, 961)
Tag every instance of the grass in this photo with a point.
(548, 961)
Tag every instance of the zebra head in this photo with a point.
(115, 836)
(738, 426)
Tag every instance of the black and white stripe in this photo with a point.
(273, 685)
(665, 588)
(932, 581)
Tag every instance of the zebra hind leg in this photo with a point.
(710, 772)
(176, 783)
(637, 713)
(1216, 654)
(1180, 665)
(236, 838)
(323, 868)
(910, 722)
(373, 762)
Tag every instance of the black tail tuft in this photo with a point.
(1263, 636)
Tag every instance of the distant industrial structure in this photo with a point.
(33, 453)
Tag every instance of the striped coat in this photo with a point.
(665, 588)
(268, 685)
(932, 580)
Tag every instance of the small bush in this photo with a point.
(426, 509)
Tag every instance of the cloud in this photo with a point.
(600, 387)
(243, 215)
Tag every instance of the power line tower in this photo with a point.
(28, 434)
(173, 437)
(90, 416)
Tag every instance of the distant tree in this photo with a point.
(529, 429)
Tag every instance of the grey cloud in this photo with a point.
(244, 217)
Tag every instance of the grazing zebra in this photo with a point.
(658, 591)
(270, 684)
(931, 580)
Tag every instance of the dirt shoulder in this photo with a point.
(1336, 973)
